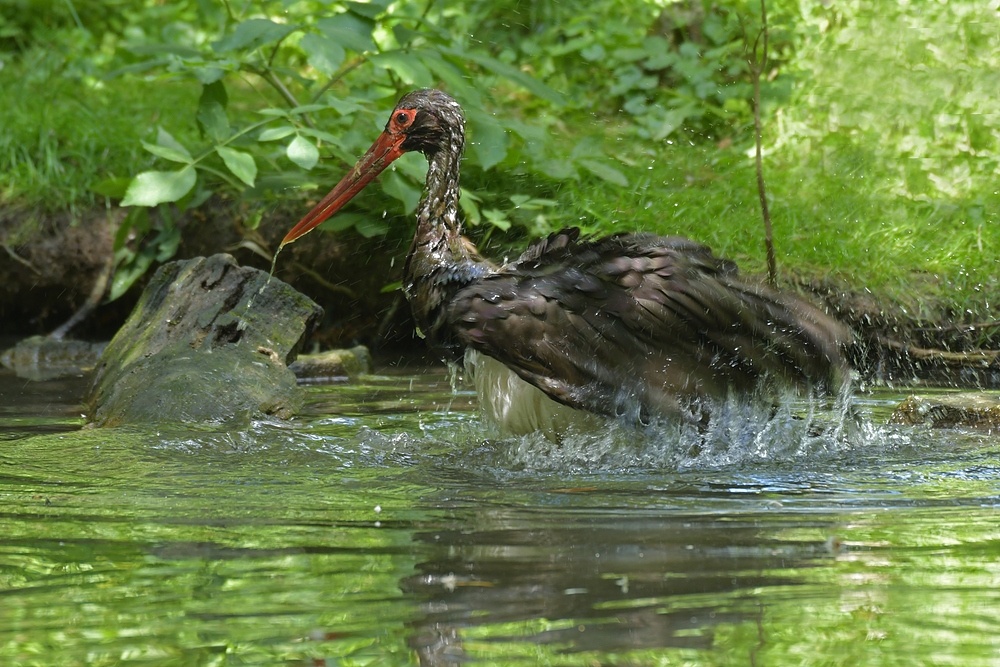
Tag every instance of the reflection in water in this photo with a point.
(600, 583)
(389, 526)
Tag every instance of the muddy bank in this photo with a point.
(49, 266)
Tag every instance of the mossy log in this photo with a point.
(209, 341)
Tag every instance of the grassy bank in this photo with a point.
(881, 149)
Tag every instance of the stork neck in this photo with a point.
(441, 262)
(437, 214)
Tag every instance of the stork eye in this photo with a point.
(402, 118)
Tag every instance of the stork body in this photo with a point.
(630, 325)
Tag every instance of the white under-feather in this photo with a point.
(518, 407)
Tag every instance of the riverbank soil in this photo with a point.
(50, 265)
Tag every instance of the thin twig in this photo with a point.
(756, 69)
(21, 260)
(274, 52)
(338, 76)
(967, 328)
(97, 291)
(229, 10)
(271, 78)
(386, 322)
(339, 289)
(961, 359)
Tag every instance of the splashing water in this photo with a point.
(274, 263)
(739, 431)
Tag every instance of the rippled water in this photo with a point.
(388, 526)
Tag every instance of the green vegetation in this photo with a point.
(881, 142)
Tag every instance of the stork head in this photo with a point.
(425, 120)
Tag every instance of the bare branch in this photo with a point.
(21, 260)
(269, 76)
(757, 67)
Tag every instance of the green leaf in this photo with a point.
(497, 218)
(399, 188)
(303, 153)
(165, 139)
(388, 288)
(132, 266)
(162, 48)
(452, 76)
(344, 107)
(136, 218)
(489, 139)
(630, 54)
(130, 271)
(405, 35)
(369, 9)
(341, 221)
(207, 75)
(350, 31)
(167, 153)
(212, 111)
(413, 164)
(320, 134)
(275, 133)
(166, 243)
(241, 164)
(559, 170)
(306, 108)
(253, 220)
(593, 52)
(672, 120)
(157, 187)
(409, 69)
(323, 53)
(197, 198)
(136, 68)
(251, 34)
(112, 187)
(273, 112)
(527, 82)
(369, 227)
(609, 174)
(467, 201)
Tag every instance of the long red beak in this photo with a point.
(385, 149)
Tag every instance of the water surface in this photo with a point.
(389, 526)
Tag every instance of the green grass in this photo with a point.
(837, 221)
(60, 135)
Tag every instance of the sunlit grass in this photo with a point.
(60, 136)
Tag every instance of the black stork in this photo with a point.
(631, 325)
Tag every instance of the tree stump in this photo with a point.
(209, 341)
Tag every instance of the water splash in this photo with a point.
(270, 275)
(741, 430)
(274, 262)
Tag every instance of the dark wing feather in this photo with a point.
(636, 322)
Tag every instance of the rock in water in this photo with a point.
(44, 358)
(980, 410)
(209, 341)
(333, 364)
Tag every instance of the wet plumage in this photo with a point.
(630, 325)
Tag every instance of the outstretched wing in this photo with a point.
(639, 323)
